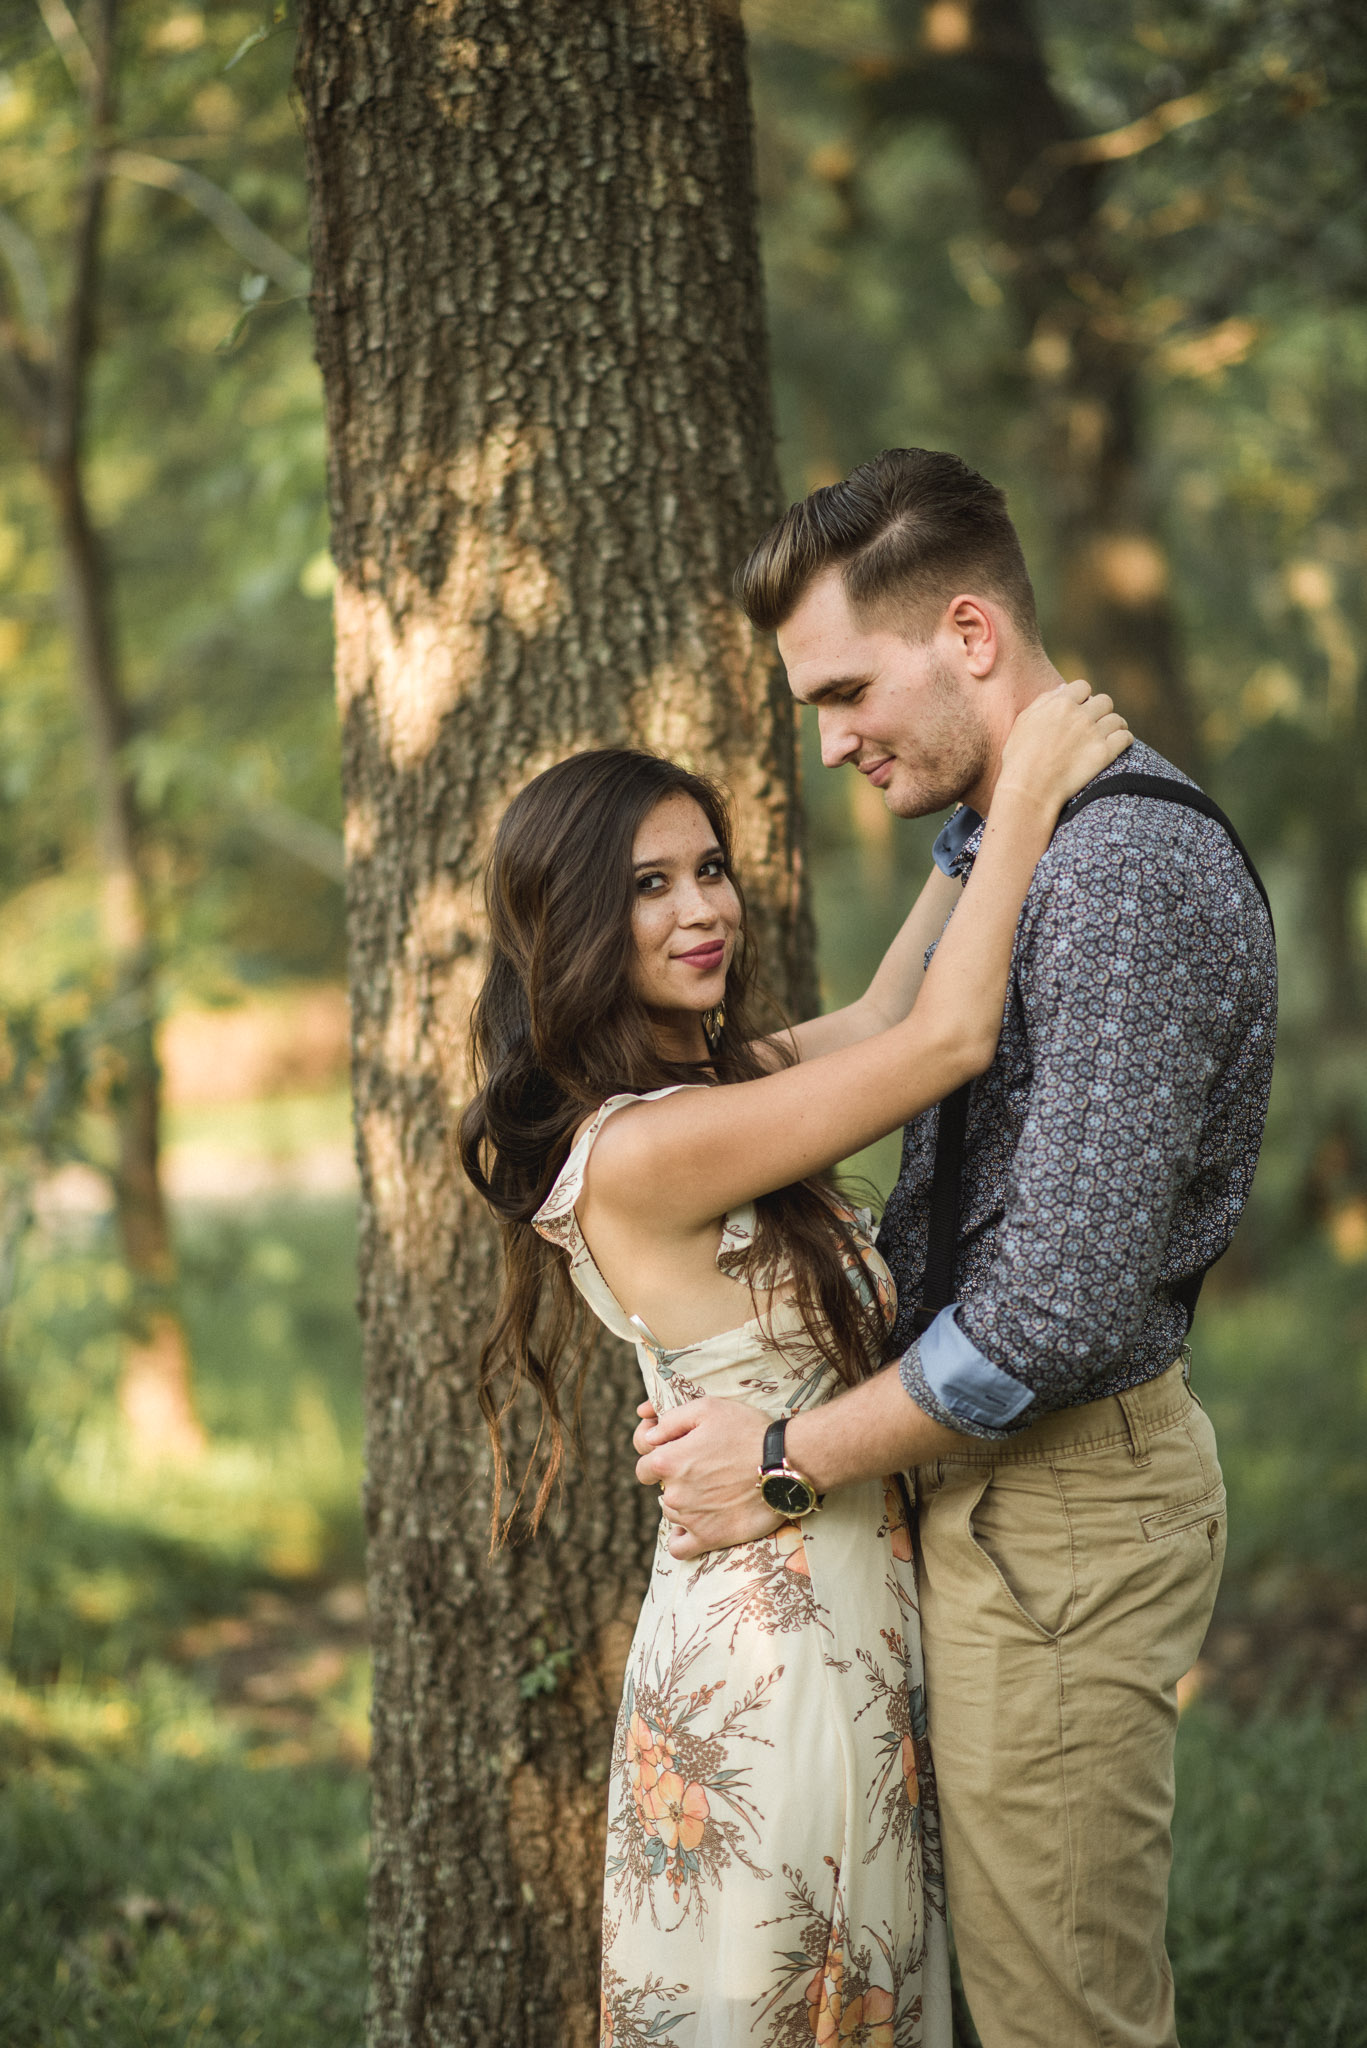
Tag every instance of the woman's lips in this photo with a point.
(709, 955)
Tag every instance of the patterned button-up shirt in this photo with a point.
(1111, 1144)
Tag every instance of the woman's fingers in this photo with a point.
(675, 1422)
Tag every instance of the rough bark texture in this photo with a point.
(537, 302)
(979, 65)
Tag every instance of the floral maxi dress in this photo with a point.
(773, 1872)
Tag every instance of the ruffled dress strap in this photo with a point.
(556, 1219)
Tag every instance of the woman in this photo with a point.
(773, 1870)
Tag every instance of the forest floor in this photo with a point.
(183, 1699)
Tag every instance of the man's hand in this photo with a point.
(706, 1457)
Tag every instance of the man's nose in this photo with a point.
(838, 743)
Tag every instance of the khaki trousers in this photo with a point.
(1067, 1578)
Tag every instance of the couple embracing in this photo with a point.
(942, 1523)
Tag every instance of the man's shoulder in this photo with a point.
(1110, 835)
(1146, 862)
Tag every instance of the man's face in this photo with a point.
(905, 715)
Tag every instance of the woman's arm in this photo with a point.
(685, 1159)
(891, 993)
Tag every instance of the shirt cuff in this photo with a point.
(945, 1373)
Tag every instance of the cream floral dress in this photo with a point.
(774, 1874)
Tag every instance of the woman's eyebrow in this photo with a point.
(708, 853)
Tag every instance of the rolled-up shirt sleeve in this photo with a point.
(1131, 973)
(961, 1387)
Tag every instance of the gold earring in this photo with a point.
(713, 1025)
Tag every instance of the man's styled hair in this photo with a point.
(911, 529)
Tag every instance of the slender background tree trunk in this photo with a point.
(48, 379)
(979, 65)
(538, 312)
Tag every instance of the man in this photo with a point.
(1070, 1508)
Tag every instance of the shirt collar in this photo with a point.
(952, 852)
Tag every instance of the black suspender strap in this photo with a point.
(1168, 792)
(942, 1228)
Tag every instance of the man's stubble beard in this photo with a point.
(953, 748)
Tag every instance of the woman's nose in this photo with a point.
(694, 906)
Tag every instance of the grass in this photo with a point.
(183, 1710)
(1269, 1892)
(184, 1687)
(1282, 1370)
(157, 1884)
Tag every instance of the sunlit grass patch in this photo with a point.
(156, 1887)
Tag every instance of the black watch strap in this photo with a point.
(771, 1457)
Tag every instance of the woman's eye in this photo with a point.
(649, 885)
(712, 869)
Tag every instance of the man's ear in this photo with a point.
(973, 626)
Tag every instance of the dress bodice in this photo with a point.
(768, 1360)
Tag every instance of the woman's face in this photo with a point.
(685, 922)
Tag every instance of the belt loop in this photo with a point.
(1132, 1409)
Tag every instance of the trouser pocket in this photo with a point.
(1020, 1528)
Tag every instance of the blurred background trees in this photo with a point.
(1120, 266)
(1115, 256)
(1124, 272)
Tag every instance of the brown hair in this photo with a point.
(557, 1028)
(912, 528)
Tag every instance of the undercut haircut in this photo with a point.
(910, 530)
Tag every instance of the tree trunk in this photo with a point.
(154, 1389)
(538, 311)
(155, 1393)
(980, 66)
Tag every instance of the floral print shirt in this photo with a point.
(1112, 1142)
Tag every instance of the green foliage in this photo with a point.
(544, 1675)
(206, 466)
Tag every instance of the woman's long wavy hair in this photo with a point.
(557, 1028)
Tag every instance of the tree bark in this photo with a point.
(538, 314)
(980, 66)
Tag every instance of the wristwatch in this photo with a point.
(788, 1492)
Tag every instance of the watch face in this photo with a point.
(786, 1494)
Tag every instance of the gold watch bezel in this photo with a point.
(788, 1472)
